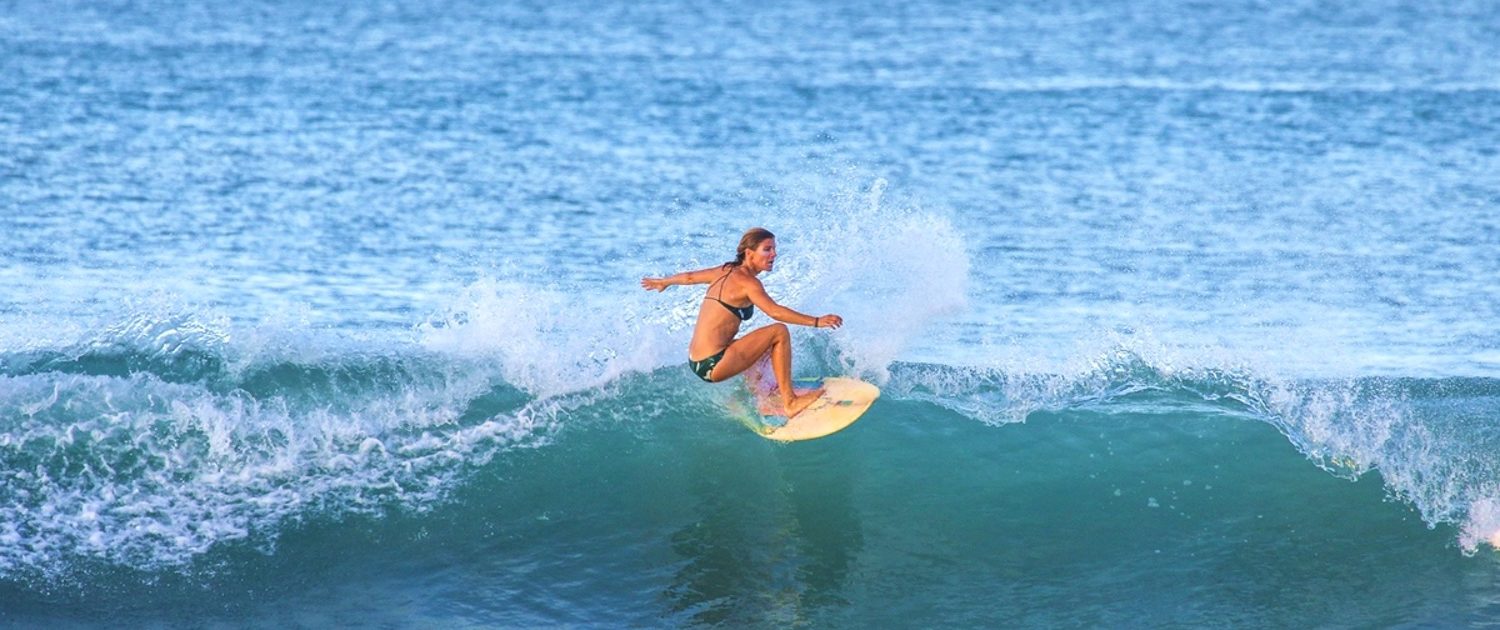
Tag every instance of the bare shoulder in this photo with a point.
(705, 275)
(746, 279)
(749, 285)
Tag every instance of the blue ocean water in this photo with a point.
(327, 313)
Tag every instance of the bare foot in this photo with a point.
(802, 401)
(769, 404)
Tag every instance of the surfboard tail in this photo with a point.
(842, 402)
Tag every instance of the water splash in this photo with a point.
(143, 447)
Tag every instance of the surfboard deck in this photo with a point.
(842, 402)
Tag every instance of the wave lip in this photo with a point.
(156, 441)
(1432, 441)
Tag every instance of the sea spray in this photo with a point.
(890, 268)
(549, 340)
(141, 448)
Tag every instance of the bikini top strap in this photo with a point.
(721, 286)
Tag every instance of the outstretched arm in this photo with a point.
(701, 276)
(762, 300)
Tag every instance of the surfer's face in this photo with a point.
(764, 254)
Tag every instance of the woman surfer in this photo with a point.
(733, 293)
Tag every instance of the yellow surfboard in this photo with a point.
(842, 402)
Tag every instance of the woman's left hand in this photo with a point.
(830, 321)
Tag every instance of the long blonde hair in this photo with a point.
(752, 239)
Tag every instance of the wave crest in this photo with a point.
(155, 441)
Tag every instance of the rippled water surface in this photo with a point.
(331, 311)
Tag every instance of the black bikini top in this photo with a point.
(742, 312)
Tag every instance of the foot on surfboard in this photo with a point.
(802, 401)
(841, 401)
(771, 405)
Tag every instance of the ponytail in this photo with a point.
(751, 239)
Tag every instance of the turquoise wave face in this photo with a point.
(161, 449)
(360, 478)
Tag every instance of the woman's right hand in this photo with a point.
(654, 284)
(830, 321)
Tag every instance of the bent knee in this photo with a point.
(780, 330)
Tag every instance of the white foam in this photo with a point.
(147, 472)
(550, 341)
(1482, 527)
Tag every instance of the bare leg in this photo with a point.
(776, 341)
